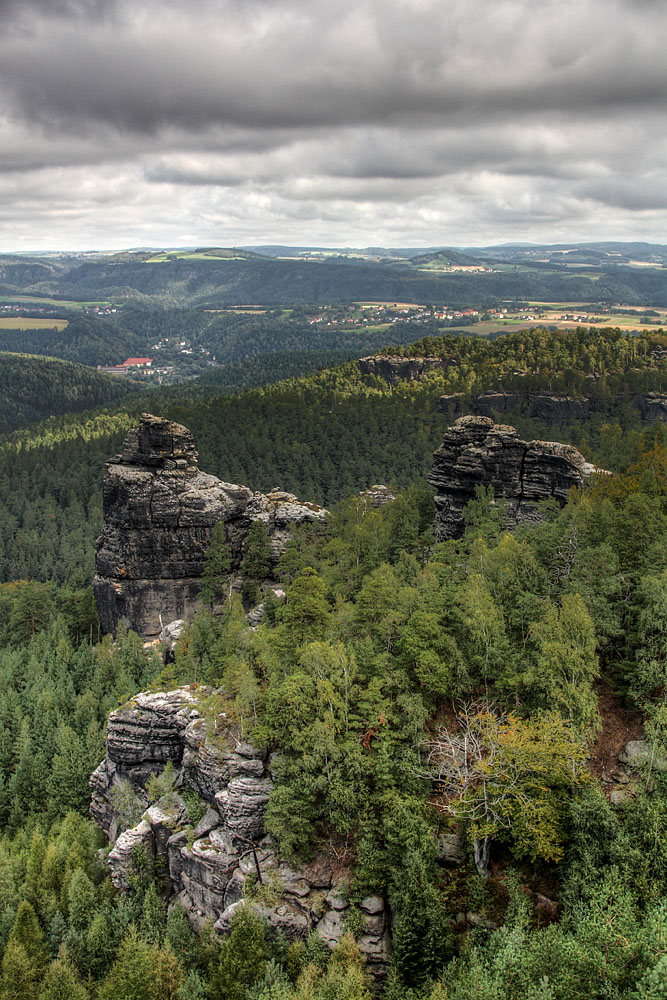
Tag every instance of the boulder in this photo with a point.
(450, 849)
(640, 753)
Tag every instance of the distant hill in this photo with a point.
(631, 273)
(443, 259)
(86, 340)
(34, 388)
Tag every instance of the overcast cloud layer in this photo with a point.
(336, 122)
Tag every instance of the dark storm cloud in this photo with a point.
(468, 114)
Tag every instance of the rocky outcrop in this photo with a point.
(477, 452)
(553, 409)
(395, 369)
(378, 495)
(653, 407)
(222, 858)
(159, 511)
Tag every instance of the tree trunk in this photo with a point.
(482, 849)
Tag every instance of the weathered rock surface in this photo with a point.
(378, 495)
(215, 865)
(477, 452)
(640, 753)
(159, 511)
(395, 369)
(552, 409)
(653, 407)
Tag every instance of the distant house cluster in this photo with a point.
(131, 366)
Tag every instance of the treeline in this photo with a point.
(584, 360)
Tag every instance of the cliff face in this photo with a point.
(553, 409)
(475, 452)
(225, 856)
(159, 511)
(397, 369)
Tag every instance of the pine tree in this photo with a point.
(217, 566)
(60, 983)
(256, 564)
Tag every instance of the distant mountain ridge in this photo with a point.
(275, 275)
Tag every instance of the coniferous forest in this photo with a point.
(482, 687)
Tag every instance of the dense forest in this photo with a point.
(33, 389)
(323, 436)
(385, 646)
(543, 649)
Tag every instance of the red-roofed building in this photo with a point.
(137, 363)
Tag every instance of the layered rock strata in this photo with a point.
(477, 452)
(217, 863)
(553, 409)
(395, 369)
(159, 511)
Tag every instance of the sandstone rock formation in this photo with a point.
(477, 452)
(395, 369)
(159, 511)
(653, 407)
(552, 409)
(215, 863)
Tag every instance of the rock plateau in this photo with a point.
(554, 409)
(395, 369)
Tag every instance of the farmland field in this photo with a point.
(31, 323)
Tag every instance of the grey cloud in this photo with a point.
(297, 65)
(228, 116)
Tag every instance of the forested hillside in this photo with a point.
(213, 339)
(217, 277)
(540, 648)
(33, 388)
(323, 436)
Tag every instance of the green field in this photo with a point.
(32, 323)
(162, 258)
(36, 300)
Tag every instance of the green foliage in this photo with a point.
(243, 957)
(422, 937)
(217, 566)
(380, 631)
(34, 388)
(256, 563)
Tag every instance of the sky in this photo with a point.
(405, 123)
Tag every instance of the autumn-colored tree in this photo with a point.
(508, 778)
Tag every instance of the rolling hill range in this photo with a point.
(632, 273)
